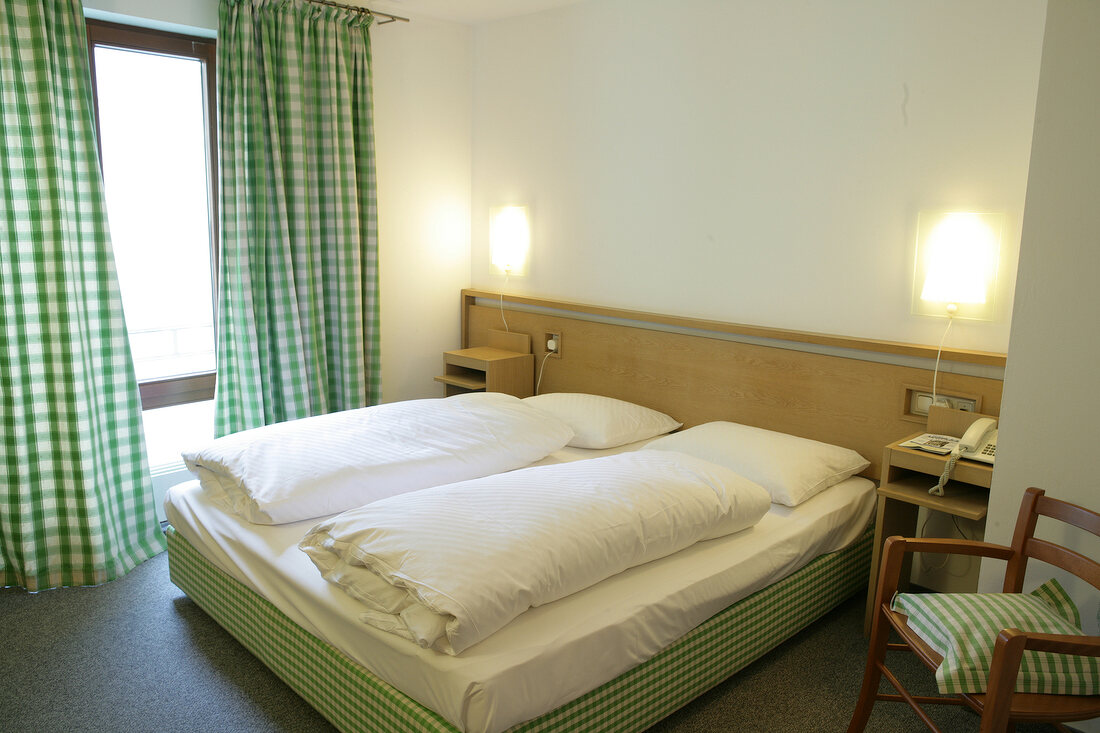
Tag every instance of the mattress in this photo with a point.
(578, 643)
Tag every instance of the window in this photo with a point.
(155, 120)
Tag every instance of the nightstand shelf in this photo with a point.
(488, 369)
(906, 461)
(959, 499)
(467, 382)
(907, 474)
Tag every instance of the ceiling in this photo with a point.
(470, 12)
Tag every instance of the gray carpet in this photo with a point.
(137, 655)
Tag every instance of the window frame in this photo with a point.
(197, 387)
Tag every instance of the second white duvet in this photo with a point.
(447, 566)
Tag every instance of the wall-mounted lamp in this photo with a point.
(956, 265)
(956, 270)
(509, 240)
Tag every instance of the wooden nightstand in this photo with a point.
(498, 367)
(907, 474)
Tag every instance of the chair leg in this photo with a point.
(872, 674)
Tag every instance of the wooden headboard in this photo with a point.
(846, 391)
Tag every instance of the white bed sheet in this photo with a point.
(551, 654)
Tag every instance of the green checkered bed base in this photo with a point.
(354, 699)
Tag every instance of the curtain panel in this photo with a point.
(297, 305)
(76, 502)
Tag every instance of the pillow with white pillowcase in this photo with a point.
(791, 468)
(603, 422)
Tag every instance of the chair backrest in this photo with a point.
(1025, 545)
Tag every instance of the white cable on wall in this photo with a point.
(936, 371)
(543, 366)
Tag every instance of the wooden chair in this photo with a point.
(1000, 707)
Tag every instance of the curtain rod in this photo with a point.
(359, 9)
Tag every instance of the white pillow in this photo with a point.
(792, 469)
(603, 422)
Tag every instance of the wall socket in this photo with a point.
(919, 402)
(556, 338)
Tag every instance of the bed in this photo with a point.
(587, 641)
(680, 624)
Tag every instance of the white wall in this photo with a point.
(422, 103)
(1051, 401)
(754, 161)
(422, 107)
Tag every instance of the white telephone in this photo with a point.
(978, 443)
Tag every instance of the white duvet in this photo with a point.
(447, 566)
(317, 466)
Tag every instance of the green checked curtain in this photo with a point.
(76, 505)
(297, 316)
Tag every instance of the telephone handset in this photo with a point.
(978, 443)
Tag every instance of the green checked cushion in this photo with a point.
(963, 628)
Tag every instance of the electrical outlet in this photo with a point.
(555, 352)
(920, 400)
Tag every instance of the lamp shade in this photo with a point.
(956, 269)
(509, 239)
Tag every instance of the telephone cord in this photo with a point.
(947, 469)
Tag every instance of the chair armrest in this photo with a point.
(953, 546)
(1084, 646)
(1008, 652)
(894, 549)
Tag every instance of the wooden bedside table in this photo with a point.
(498, 367)
(907, 474)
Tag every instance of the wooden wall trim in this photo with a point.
(967, 356)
